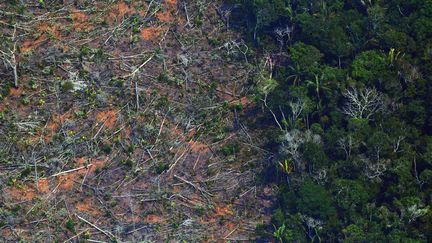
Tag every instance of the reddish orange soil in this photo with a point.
(165, 16)
(97, 163)
(15, 92)
(222, 211)
(151, 33)
(29, 45)
(53, 30)
(52, 126)
(43, 185)
(24, 193)
(80, 21)
(118, 12)
(123, 9)
(154, 219)
(89, 206)
(171, 3)
(132, 219)
(107, 117)
(168, 13)
(198, 147)
(81, 161)
(67, 181)
(245, 102)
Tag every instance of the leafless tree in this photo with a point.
(283, 35)
(347, 145)
(9, 57)
(397, 143)
(364, 103)
(296, 108)
(375, 169)
(293, 140)
(314, 225)
(273, 114)
(267, 84)
(236, 46)
(409, 73)
(321, 176)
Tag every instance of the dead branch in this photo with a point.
(10, 57)
(177, 160)
(363, 103)
(73, 170)
(193, 185)
(136, 95)
(138, 68)
(107, 233)
(188, 23)
(273, 114)
(230, 233)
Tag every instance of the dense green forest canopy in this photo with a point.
(349, 95)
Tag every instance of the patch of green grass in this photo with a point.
(67, 86)
(116, 82)
(161, 167)
(163, 102)
(25, 172)
(130, 149)
(70, 225)
(164, 78)
(25, 100)
(128, 163)
(230, 149)
(106, 148)
(15, 209)
(214, 42)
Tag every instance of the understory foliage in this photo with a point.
(352, 106)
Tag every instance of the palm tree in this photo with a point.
(318, 86)
(297, 72)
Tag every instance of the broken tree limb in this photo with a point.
(193, 185)
(70, 171)
(107, 233)
(136, 95)
(11, 59)
(170, 170)
(188, 23)
(138, 68)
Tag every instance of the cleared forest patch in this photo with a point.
(125, 125)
